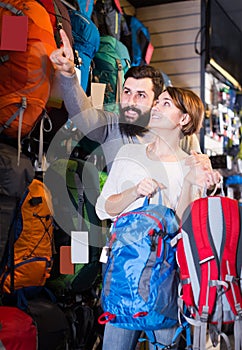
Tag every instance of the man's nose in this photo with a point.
(133, 99)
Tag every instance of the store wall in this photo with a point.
(174, 28)
(128, 8)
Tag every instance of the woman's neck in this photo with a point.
(165, 149)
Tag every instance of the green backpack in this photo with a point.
(111, 62)
(81, 181)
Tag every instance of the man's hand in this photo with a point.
(63, 58)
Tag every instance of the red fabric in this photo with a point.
(18, 331)
(228, 263)
(200, 231)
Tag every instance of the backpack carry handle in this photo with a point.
(147, 201)
(218, 185)
(106, 317)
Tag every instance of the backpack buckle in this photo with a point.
(204, 315)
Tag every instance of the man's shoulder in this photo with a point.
(131, 149)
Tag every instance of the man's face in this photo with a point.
(136, 103)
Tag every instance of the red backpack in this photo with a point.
(209, 255)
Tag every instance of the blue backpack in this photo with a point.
(86, 42)
(86, 7)
(136, 36)
(141, 279)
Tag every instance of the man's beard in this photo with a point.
(136, 128)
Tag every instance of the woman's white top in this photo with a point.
(130, 166)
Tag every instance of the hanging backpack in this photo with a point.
(86, 43)
(86, 7)
(209, 255)
(17, 329)
(111, 62)
(107, 15)
(51, 322)
(75, 183)
(27, 260)
(141, 279)
(14, 180)
(25, 65)
(136, 37)
(59, 18)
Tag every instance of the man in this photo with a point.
(142, 87)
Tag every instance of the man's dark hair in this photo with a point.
(141, 72)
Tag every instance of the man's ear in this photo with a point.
(185, 119)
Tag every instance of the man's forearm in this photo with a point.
(74, 97)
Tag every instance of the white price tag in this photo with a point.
(79, 247)
(104, 255)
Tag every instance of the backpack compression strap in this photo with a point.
(231, 263)
(11, 8)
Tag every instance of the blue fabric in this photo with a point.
(86, 41)
(139, 45)
(141, 274)
(86, 7)
(125, 339)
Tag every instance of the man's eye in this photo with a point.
(142, 96)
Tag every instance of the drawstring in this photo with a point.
(21, 114)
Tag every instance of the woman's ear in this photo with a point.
(185, 119)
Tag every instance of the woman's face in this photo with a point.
(164, 114)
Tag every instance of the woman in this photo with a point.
(139, 171)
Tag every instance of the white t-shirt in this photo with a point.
(130, 166)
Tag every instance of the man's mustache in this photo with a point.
(133, 109)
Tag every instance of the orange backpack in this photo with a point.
(26, 75)
(28, 255)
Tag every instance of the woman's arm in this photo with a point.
(195, 183)
(117, 203)
(126, 186)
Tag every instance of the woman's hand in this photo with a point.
(148, 187)
(63, 58)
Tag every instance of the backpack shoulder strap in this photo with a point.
(229, 273)
(11, 8)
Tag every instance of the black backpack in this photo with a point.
(76, 183)
(107, 15)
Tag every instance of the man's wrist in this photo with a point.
(69, 74)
